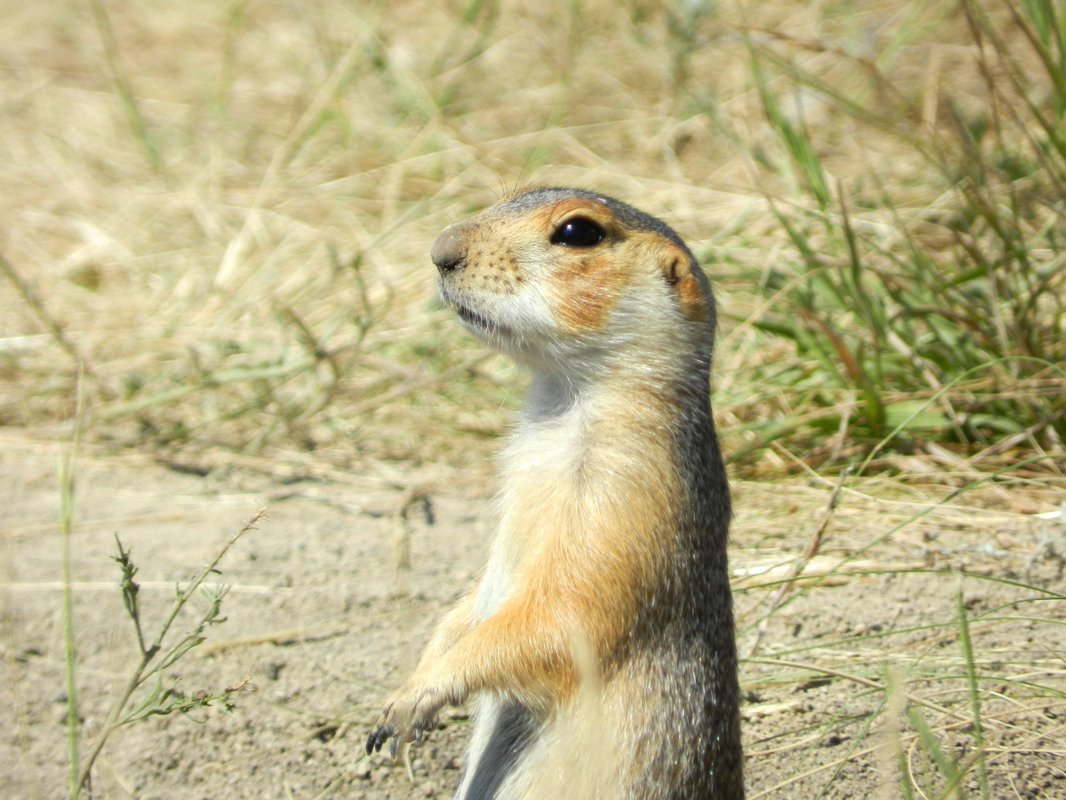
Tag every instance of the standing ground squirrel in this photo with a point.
(600, 638)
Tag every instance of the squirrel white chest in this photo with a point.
(538, 500)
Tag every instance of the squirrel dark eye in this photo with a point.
(578, 232)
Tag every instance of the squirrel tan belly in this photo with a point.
(600, 639)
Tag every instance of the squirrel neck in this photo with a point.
(622, 427)
(640, 385)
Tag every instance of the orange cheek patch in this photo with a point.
(585, 289)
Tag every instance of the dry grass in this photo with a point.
(223, 211)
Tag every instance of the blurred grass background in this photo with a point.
(217, 216)
(221, 212)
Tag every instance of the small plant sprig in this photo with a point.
(157, 656)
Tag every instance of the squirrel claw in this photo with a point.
(388, 730)
(378, 737)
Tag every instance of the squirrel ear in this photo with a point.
(689, 284)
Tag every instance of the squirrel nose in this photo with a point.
(449, 251)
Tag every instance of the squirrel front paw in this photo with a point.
(407, 717)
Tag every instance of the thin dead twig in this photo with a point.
(813, 546)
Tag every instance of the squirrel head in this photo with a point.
(571, 280)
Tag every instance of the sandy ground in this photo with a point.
(321, 624)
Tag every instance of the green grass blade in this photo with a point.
(67, 465)
(966, 642)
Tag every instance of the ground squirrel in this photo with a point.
(600, 639)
